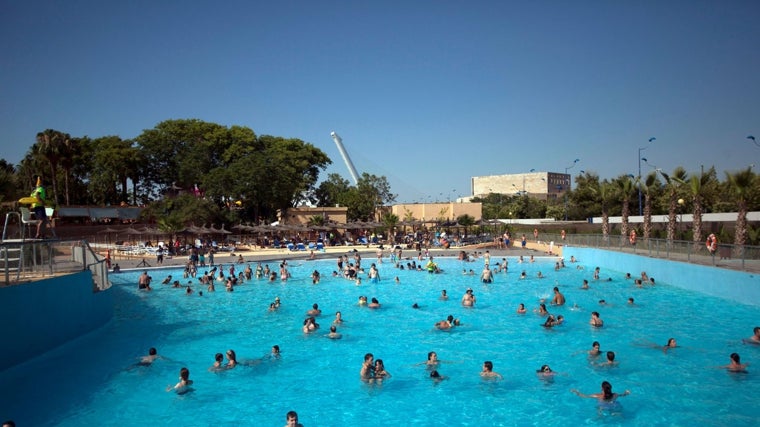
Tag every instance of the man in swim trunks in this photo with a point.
(486, 275)
(468, 299)
(144, 281)
(558, 299)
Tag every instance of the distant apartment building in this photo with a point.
(541, 185)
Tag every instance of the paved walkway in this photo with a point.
(332, 252)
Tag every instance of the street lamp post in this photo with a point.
(639, 157)
(569, 183)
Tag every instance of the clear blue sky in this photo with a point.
(426, 93)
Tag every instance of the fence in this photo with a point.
(737, 257)
(29, 260)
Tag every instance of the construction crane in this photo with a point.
(346, 159)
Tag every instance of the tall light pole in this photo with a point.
(652, 139)
(569, 183)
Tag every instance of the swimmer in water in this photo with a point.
(521, 309)
(595, 321)
(754, 339)
(436, 377)
(488, 373)
(218, 363)
(545, 372)
(609, 362)
(735, 365)
(338, 318)
(380, 372)
(334, 335)
(449, 323)
(150, 358)
(183, 386)
(541, 310)
(606, 395)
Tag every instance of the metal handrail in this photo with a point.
(24, 261)
(739, 257)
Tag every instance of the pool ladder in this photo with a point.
(12, 255)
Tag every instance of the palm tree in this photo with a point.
(50, 144)
(673, 183)
(699, 186)
(389, 222)
(626, 187)
(69, 151)
(650, 183)
(741, 185)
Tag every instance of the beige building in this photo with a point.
(419, 211)
(541, 185)
(445, 211)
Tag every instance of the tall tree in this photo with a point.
(743, 186)
(390, 221)
(52, 144)
(648, 186)
(673, 185)
(626, 188)
(700, 187)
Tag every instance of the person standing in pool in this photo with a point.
(486, 275)
(558, 299)
(143, 282)
(367, 371)
(380, 372)
(468, 299)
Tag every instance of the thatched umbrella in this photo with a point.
(108, 231)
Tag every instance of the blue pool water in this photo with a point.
(92, 381)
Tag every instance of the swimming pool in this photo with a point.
(93, 380)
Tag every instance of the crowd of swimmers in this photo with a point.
(374, 371)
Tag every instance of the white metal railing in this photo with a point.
(30, 260)
(746, 257)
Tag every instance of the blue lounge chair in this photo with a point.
(291, 247)
(320, 246)
(301, 247)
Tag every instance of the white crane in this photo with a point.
(346, 159)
